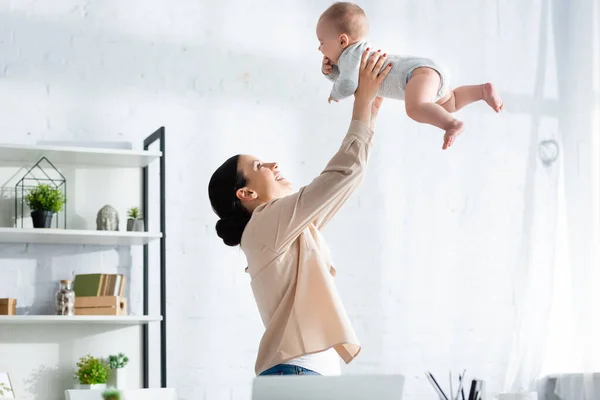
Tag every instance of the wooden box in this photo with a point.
(100, 305)
(8, 306)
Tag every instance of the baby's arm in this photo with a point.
(347, 80)
(335, 72)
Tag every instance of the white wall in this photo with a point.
(425, 248)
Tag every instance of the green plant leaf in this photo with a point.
(111, 394)
(45, 198)
(92, 370)
(117, 361)
(134, 213)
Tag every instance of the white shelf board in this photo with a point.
(78, 319)
(76, 237)
(15, 154)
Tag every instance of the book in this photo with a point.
(89, 285)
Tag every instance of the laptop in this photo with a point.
(314, 387)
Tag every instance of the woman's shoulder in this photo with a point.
(266, 213)
(254, 233)
(261, 228)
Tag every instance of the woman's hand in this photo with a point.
(370, 77)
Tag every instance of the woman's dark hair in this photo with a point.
(225, 181)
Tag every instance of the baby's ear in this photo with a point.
(344, 40)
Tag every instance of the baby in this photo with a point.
(420, 82)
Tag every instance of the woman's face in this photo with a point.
(264, 180)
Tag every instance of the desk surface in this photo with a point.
(129, 394)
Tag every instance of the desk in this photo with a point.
(128, 394)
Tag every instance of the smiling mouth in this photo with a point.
(279, 178)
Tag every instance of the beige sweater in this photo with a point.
(290, 264)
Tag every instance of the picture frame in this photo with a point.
(6, 389)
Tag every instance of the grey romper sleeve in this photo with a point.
(347, 81)
(334, 73)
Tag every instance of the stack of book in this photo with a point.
(100, 294)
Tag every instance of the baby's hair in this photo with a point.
(347, 18)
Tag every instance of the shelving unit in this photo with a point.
(78, 319)
(23, 155)
(76, 237)
(13, 154)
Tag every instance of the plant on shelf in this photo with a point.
(92, 372)
(134, 213)
(117, 361)
(111, 394)
(4, 389)
(117, 375)
(44, 201)
(135, 220)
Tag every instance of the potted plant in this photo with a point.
(117, 375)
(111, 394)
(92, 373)
(5, 389)
(135, 220)
(44, 201)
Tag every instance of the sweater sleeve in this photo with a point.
(282, 220)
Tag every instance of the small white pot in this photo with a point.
(118, 378)
(97, 386)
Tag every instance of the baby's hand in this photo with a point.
(326, 67)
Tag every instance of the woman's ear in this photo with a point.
(246, 194)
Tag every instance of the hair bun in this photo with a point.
(231, 228)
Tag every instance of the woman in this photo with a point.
(307, 329)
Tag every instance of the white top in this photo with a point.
(326, 363)
(345, 73)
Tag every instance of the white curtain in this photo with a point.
(557, 305)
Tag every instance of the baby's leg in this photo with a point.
(465, 95)
(421, 90)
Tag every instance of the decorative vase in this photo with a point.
(96, 386)
(41, 218)
(118, 378)
(135, 225)
(65, 299)
(138, 225)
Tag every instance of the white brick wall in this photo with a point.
(424, 249)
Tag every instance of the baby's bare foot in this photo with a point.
(452, 133)
(492, 97)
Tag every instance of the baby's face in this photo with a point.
(330, 43)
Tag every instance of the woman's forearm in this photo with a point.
(372, 121)
(362, 111)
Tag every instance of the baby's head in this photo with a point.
(341, 25)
